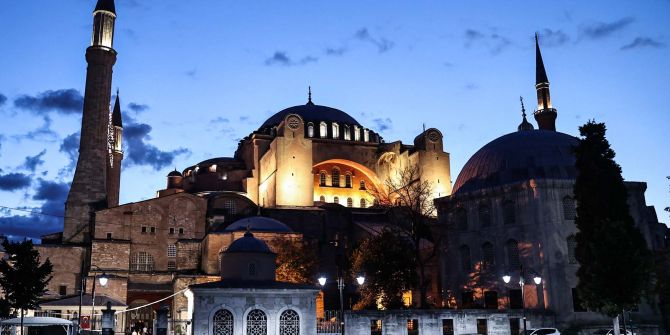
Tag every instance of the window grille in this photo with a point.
(257, 323)
(172, 250)
(572, 245)
(229, 206)
(336, 177)
(142, 261)
(222, 322)
(171, 265)
(569, 208)
(289, 323)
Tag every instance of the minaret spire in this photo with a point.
(309, 95)
(545, 115)
(525, 125)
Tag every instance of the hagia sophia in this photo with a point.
(307, 175)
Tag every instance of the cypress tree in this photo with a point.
(615, 263)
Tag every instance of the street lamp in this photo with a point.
(536, 279)
(340, 286)
(103, 279)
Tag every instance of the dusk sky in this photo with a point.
(196, 76)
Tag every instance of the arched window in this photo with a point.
(336, 130)
(488, 255)
(322, 198)
(229, 206)
(322, 178)
(289, 323)
(461, 219)
(569, 208)
(484, 216)
(257, 323)
(513, 254)
(172, 250)
(222, 322)
(572, 245)
(363, 203)
(509, 216)
(464, 252)
(366, 135)
(142, 261)
(350, 202)
(335, 182)
(323, 130)
(310, 129)
(362, 185)
(347, 179)
(347, 133)
(357, 133)
(336, 200)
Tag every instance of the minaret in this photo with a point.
(545, 115)
(88, 191)
(115, 155)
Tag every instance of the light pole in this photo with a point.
(103, 281)
(536, 279)
(360, 279)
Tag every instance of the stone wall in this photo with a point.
(111, 255)
(66, 261)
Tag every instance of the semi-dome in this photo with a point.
(519, 156)
(259, 223)
(311, 113)
(250, 244)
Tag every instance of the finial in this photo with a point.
(525, 125)
(523, 108)
(117, 91)
(309, 95)
(248, 232)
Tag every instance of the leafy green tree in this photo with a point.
(615, 263)
(388, 268)
(22, 278)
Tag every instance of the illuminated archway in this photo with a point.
(354, 181)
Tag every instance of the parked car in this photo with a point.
(610, 331)
(543, 331)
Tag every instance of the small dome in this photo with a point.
(260, 224)
(311, 113)
(519, 156)
(250, 244)
(175, 173)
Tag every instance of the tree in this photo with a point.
(295, 263)
(615, 264)
(388, 269)
(411, 210)
(22, 277)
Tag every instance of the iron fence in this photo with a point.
(329, 323)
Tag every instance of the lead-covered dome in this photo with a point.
(249, 244)
(260, 224)
(519, 156)
(311, 113)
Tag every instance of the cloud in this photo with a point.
(140, 152)
(600, 30)
(383, 124)
(339, 51)
(191, 73)
(137, 108)
(382, 44)
(54, 195)
(14, 181)
(3, 99)
(70, 147)
(494, 42)
(32, 162)
(42, 133)
(643, 42)
(281, 58)
(66, 101)
(219, 120)
(553, 38)
(470, 86)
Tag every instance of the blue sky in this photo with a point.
(196, 76)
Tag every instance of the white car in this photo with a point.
(543, 331)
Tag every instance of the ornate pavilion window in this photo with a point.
(257, 323)
(350, 202)
(509, 215)
(488, 254)
(289, 323)
(464, 252)
(323, 130)
(347, 180)
(322, 178)
(484, 216)
(513, 254)
(142, 261)
(347, 133)
(335, 182)
(222, 322)
(336, 130)
(310, 129)
(569, 208)
(572, 245)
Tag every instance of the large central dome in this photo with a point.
(311, 113)
(519, 156)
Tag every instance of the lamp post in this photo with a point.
(536, 279)
(103, 281)
(360, 279)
